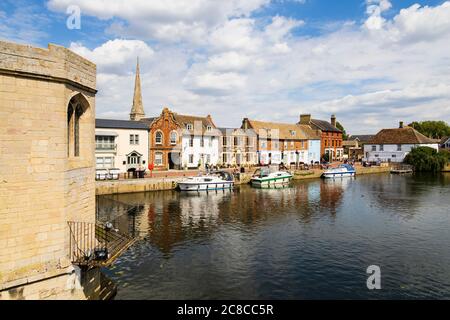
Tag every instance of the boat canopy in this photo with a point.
(348, 167)
(225, 175)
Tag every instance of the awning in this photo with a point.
(106, 133)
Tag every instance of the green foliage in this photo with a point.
(326, 157)
(432, 129)
(427, 159)
(341, 127)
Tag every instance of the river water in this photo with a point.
(314, 240)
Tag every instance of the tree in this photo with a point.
(427, 159)
(432, 129)
(341, 127)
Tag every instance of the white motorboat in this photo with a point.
(264, 178)
(343, 171)
(217, 181)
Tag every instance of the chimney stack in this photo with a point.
(401, 125)
(333, 120)
(305, 119)
(245, 124)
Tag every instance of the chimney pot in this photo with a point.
(333, 120)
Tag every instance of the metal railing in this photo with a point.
(105, 147)
(96, 244)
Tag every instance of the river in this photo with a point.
(314, 240)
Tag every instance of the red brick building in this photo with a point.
(331, 136)
(182, 141)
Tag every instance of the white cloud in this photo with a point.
(114, 54)
(173, 20)
(281, 26)
(236, 34)
(228, 61)
(418, 23)
(375, 8)
(216, 83)
(376, 73)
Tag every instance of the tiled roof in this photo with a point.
(284, 131)
(361, 137)
(120, 124)
(324, 125)
(444, 140)
(148, 120)
(349, 143)
(406, 135)
(311, 134)
(206, 122)
(237, 131)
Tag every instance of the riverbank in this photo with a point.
(170, 183)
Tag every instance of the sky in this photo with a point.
(372, 63)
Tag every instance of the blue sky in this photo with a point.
(371, 62)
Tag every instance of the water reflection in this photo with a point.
(312, 240)
(170, 218)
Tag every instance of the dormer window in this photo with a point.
(189, 126)
(208, 128)
(293, 133)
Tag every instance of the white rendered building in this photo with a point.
(121, 144)
(392, 145)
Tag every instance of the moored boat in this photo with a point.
(343, 171)
(217, 181)
(264, 178)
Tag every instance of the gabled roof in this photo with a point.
(237, 131)
(199, 124)
(361, 137)
(120, 124)
(324, 125)
(283, 131)
(205, 122)
(406, 135)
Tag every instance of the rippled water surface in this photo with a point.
(314, 240)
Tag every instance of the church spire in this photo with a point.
(137, 110)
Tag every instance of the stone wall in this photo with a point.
(41, 187)
(135, 185)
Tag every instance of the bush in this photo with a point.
(427, 159)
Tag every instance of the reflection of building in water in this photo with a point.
(165, 218)
(201, 208)
(404, 195)
(331, 193)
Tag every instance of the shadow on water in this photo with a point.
(313, 240)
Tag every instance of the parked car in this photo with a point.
(114, 174)
(101, 174)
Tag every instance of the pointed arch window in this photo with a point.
(75, 111)
(78, 114)
(70, 112)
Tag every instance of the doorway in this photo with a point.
(174, 161)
